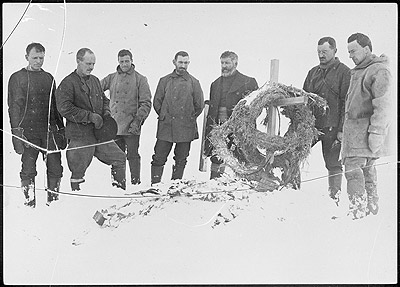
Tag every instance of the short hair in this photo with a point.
(38, 47)
(181, 53)
(330, 40)
(81, 53)
(361, 39)
(124, 52)
(229, 54)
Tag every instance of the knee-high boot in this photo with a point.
(134, 166)
(156, 173)
(177, 171)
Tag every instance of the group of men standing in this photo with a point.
(354, 126)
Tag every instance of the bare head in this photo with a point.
(85, 59)
(229, 62)
(359, 47)
(181, 62)
(35, 53)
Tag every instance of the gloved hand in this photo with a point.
(375, 142)
(96, 119)
(61, 140)
(340, 136)
(17, 143)
(134, 127)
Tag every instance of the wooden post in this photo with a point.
(274, 72)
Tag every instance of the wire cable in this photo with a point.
(19, 21)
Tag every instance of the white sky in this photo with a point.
(155, 32)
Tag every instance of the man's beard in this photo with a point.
(181, 70)
(226, 73)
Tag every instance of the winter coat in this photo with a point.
(330, 83)
(368, 106)
(178, 101)
(130, 97)
(76, 99)
(242, 86)
(30, 109)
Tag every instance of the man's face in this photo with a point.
(181, 64)
(86, 66)
(325, 53)
(356, 52)
(227, 66)
(125, 63)
(35, 59)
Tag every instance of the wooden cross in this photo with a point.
(272, 112)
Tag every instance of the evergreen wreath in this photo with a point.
(239, 143)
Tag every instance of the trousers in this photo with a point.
(54, 167)
(331, 154)
(163, 148)
(80, 158)
(129, 144)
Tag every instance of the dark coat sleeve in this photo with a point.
(66, 102)
(144, 105)
(198, 98)
(159, 96)
(16, 102)
(344, 86)
(56, 117)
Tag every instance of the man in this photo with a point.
(130, 105)
(330, 80)
(81, 100)
(225, 93)
(30, 93)
(178, 101)
(367, 118)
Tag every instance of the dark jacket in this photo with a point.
(75, 102)
(130, 97)
(241, 87)
(30, 110)
(368, 108)
(178, 101)
(330, 83)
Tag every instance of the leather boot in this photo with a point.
(118, 178)
(134, 166)
(335, 185)
(156, 173)
(28, 188)
(53, 186)
(177, 172)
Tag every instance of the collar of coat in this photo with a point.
(185, 75)
(372, 59)
(83, 79)
(239, 81)
(130, 71)
(333, 63)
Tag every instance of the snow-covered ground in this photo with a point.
(287, 236)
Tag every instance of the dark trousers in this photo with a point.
(331, 154)
(129, 144)
(79, 157)
(163, 148)
(30, 155)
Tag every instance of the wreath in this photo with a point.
(253, 154)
